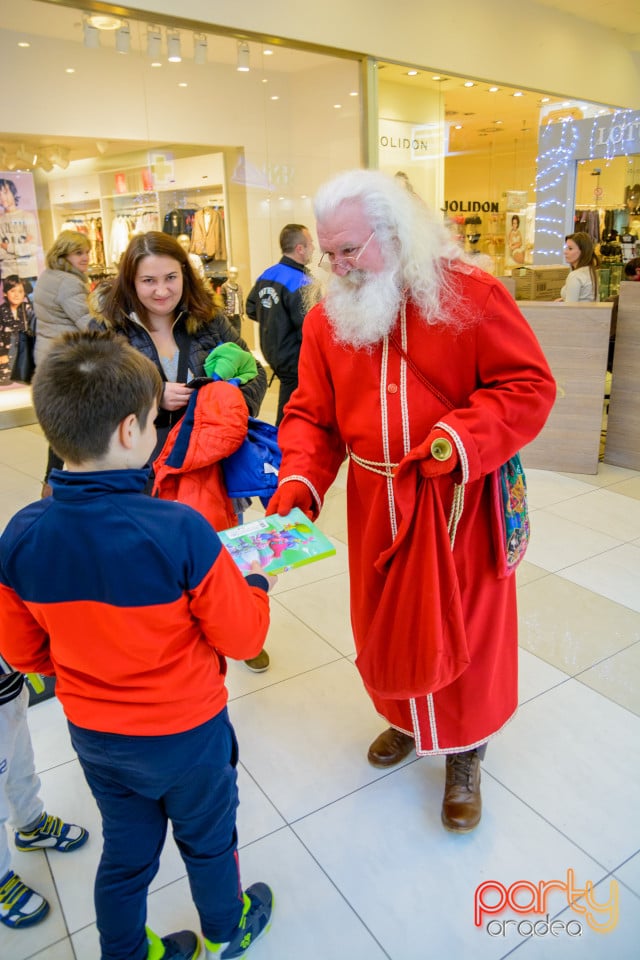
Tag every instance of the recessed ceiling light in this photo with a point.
(498, 121)
(493, 89)
(264, 80)
(101, 22)
(337, 106)
(354, 93)
(469, 83)
(458, 126)
(412, 73)
(268, 53)
(70, 70)
(23, 43)
(545, 99)
(436, 78)
(156, 63)
(275, 97)
(183, 84)
(518, 93)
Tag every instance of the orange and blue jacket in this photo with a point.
(131, 602)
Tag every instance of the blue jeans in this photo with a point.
(140, 783)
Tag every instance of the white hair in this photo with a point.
(404, 224)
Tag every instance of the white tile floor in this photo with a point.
(358, 860)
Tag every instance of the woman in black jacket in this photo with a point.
(167, 313)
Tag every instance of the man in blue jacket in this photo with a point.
(279, 300)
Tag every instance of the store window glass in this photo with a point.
(471, 149)
(119, 125)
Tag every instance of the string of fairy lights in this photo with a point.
(561, 145)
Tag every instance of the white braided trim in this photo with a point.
(307, 483)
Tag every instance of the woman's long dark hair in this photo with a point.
(588, 257)
(115, 302)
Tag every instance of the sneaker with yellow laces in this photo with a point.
(51, 833)
(20, 906)
(255, 920)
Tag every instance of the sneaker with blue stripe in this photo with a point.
(258, 904)
(52, 833)
(20, 906)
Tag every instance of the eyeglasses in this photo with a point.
(347, 255)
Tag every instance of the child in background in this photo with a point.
(20, 906)
(133, 604)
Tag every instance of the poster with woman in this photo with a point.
(515, 244)
(21, 251)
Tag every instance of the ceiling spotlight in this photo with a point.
(469, 83)
(243, 57)
(123, 38)
(412, 73)
(154, 42)
(91, 35)
(518, 93)
(493, 89)
(173, 48)
(101, 22)
(58, 155)
(199, 48)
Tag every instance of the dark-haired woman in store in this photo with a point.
(16, 313)
(582, 282)
(163, 308)
(167, 313)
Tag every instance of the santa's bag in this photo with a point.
(510, 515)
(416, 643)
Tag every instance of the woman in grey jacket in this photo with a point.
(60, 301)
(61, 293)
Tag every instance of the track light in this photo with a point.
(173, 48)
(243, 56)
(154, 42)
(91, 34)
(199, 48)
(123, 38)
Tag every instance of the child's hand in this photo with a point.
(271, 577)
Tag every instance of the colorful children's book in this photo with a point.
(277, 543)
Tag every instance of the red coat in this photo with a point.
(188, 466)
(493, 371)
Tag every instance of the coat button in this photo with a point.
(393, 388)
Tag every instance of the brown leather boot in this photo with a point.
(462, 803)
(390, 748)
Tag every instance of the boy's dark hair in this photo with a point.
(88, 383)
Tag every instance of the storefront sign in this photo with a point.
(401, 142)
(471, 206)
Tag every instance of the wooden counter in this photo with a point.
(575, 340)
(623, 427)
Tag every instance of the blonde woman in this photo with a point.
(60, 300)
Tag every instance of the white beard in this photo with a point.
(363, 307)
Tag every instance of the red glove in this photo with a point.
(292, 493)
(438, 455)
